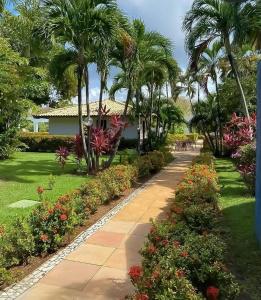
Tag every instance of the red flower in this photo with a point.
(180, 273)
(63, 217)
(40, 190)
(155, 274)
(2, 231)
(44, 237)
(184, 254)
(50, 211)
(152, 230)
(212, 293)
(135, 272)
(142, 297)
(176, 244)
(165, 242)
(152, 249)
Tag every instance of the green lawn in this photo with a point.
(238, 207)
(21, 175)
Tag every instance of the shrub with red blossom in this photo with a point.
(212, 293)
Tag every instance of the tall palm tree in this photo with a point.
(78, 24)
(209, 20)
(208, 65)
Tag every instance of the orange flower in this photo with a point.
(40, 190)
(44, 237)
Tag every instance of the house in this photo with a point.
(64, 121)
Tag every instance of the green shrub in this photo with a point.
(17, 244)
(50, 223)
(157, 160)
(201, 217)
(205, 158)
(144, 166)
(95, 189)
(38, 142)
(167, 154)
(5, 276)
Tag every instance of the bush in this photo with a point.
(128, 144)
(157, 161)
(245, 159)
(167, 154)
(205, 158)
(144, 166)
(201, 217)
(17, 244)
(183, 257)
(94, 189)
(41, 142)
(199, 186)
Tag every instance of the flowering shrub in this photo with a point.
(199, 186)
(245, 159)
(239, 137)
(239, 131)
(144, 166)
(183, 257)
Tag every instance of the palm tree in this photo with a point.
(209, 20)
(78, 24)
(208, 65)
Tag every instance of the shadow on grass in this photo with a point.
(22, 170)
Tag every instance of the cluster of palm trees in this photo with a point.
(96, 31)
(216, 30)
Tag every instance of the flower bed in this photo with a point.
(183, 257)
(45, 230)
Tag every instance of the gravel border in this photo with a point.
(19, 288)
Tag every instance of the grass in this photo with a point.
(239, 225)
(21, 175)
(25, 171)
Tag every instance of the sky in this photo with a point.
(164, 16)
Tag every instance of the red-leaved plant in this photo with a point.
(239, 131)
(62, 155)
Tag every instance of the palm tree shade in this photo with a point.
(258, 164)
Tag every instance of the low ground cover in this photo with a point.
(238, 222)
(184, 256)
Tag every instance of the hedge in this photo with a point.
(45, 229)
(44, 142)
(184, 255)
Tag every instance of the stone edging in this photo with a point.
(29, 281)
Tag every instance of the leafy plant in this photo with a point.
(62, 155)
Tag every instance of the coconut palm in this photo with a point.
(208, 66)
(78, 24)
(209, 20)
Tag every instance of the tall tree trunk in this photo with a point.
(87, 90)
(150, 116)
(219, 117)
(137, 116)
(129, 97)
(235, 72)
(81, 130)
(102, 87)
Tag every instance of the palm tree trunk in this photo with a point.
(235, 72)
(111, 158)
(219, 117)
(88, 117)
(102, 86)
(81, 130)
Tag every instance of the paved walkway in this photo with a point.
(97, 270)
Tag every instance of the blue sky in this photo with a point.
(165, 16)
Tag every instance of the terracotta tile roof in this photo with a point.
(115, 107)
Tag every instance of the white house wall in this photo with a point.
(63, 126)
(69, 126)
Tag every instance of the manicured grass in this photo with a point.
(21, 175)
(244, 254)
